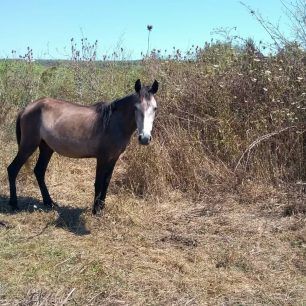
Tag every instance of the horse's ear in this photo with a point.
(137, 86)
(154, 87)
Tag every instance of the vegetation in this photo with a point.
(213, 212)
(236, 112)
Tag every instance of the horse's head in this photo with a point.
(145, 109)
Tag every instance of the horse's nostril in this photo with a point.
(144, 140)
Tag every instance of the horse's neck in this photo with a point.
(126, 107)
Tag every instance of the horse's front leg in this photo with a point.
(104, 173)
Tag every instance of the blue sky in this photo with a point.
(48, 26)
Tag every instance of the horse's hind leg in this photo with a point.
(24, 152)
(45, 154)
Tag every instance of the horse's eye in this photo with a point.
(155, 109)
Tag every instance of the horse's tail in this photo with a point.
(18, 129)
(18, 137)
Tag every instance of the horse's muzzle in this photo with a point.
(144, 139)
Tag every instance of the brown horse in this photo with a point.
(101, 131)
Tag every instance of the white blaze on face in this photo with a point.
(149, 116)
(145, 115)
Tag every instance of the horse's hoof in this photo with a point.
(97, 211)
(54, 205)
(51, 204)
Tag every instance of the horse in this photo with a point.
(101, 131)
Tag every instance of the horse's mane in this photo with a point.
(104, 111)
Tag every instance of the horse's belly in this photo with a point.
(71, 147)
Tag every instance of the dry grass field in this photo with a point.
(182, 225)
(239, 248)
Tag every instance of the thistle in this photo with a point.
(149, 28)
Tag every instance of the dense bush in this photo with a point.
(226, 99)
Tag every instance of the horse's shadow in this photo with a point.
(69, 218)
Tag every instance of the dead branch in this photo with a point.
(258, 141)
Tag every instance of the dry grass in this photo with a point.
(236, 248)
